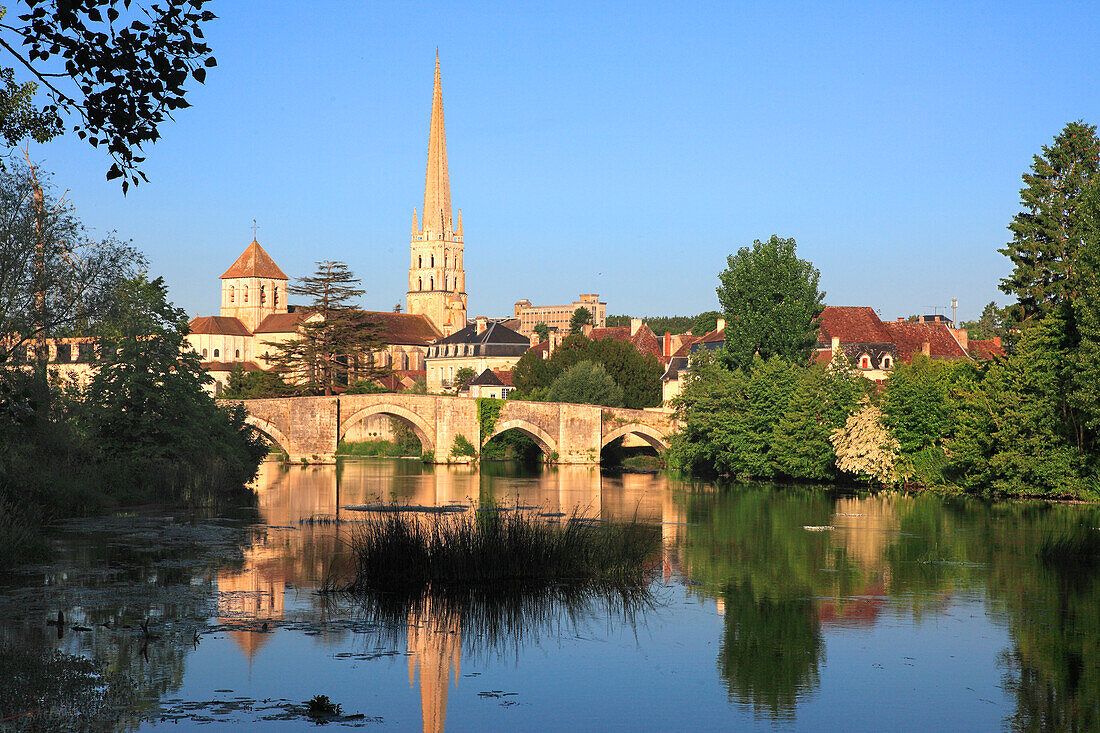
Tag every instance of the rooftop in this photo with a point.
(254, 262)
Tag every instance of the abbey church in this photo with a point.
(255, 311)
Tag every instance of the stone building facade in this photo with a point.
(482, 345)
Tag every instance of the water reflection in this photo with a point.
(805, 583)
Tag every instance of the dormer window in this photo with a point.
(865, 362)
(887, 362)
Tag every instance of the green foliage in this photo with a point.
(994, 322)
(463, 377)
(586, 383)
(329, 351)
(146, 408)
(639, 376)
(771, 301)
(366, 386)
(581, 317)
(488, 412)
(463, 447)
(255, 385)
(1048, 234)
(917, 406)
(404, 443)
(543, 332)
(125, 71)
(698, 325)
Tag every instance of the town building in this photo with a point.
(557, 317)
(495, 383)
(482, 345)
(437, 277)
(255, 316)
(637, 334)
(678, 351)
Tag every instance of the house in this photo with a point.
(678, 362)
(491, 383)
(637, 334)
(481, 345)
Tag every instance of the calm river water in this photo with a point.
(773, 608)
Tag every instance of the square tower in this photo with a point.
(253, 287)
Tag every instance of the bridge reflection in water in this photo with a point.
(289, 555)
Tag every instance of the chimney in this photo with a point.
(635, 324)
(836, 344)
(667, 348)
(534, 339)
(926, 348)
(901, 320)
(587, 330)
(482, 324)
(721, 325)
(962, 336)
(921, 319)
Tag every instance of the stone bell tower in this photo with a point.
(437, 279)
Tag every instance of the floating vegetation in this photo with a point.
(403, 508)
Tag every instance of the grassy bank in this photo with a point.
(378, 448)
(498, 546)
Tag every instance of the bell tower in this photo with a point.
(437, 278)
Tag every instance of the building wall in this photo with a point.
(441, 370)
(558, 316)
(220, 347)
(436, 272)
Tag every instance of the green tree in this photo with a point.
(705, 322)
(115, 69)
(917, 406)
(581, 317)
(463, 377)
(333, 340)
(543, 332)
(992, 323)
(638, 375)
(588, 384)
(146, 409)
(771, 303)
(1047, 234)
(254, 385)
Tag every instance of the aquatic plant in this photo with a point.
(396, 549)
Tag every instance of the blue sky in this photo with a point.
(618, 148)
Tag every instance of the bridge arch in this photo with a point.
(424, 431)
(269, 431)
(546, 444)
(646, 432)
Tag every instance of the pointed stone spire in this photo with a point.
(437, 184)
(458, 227)
(416, 229)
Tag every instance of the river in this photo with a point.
(774, 608)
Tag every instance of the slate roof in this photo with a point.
(494, 333)
(218, 326)
(487, 379)
(254, 262)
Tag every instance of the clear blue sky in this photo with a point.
(624, 149)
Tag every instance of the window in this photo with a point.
(887, 362)
(431, 282)
(432, 261)
(275, 296)
(216, 354)
(419, 283)
(245, 292)
(864, 362)
(419, 260)
(232, 294)
(263, 295)
(237, 354)
(204, 353)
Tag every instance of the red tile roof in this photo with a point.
(852, 324)
(644, 340)
(505, 377)
(254, 262)
(987, 349)
(228, 366)
(405, 328)
(281, 323)
(218, 326)
(911, 337)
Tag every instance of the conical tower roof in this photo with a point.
(437, 184)
(254, 262)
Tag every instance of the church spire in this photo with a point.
(437, 184)
(416, 229)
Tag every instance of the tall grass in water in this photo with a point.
(396, 550)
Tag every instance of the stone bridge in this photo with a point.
(308, 428)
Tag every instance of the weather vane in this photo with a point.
(255, 226)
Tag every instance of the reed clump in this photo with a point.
(395, 550)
